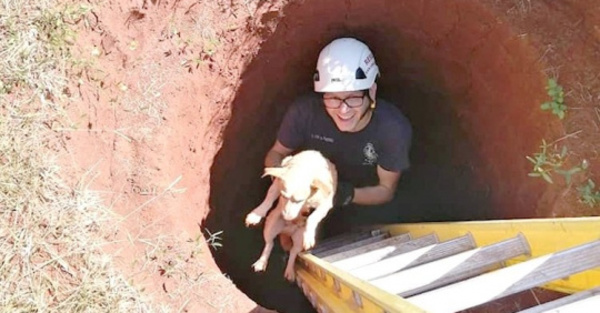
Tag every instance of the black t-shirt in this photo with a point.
(385, 141)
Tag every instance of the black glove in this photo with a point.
(343, 194)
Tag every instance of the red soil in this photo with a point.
(207, 84)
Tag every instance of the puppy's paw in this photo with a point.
(289, 274)
(252, 219)
(259, 265)
(308, 240)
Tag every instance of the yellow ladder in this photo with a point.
(449, 267)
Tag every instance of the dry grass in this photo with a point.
(51, 234)
(145, 97)
(184, 276)
(34, 50)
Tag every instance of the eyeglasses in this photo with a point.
(335, 103)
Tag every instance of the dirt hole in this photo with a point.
(469, 86)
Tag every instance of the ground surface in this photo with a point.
(182, 100)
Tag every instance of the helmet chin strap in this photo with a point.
(369, 109)
(371, 106)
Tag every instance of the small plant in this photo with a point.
(214, 239)
(210, 46)
(568, 174)
(588, 193)
(544, 162)
(556, 104)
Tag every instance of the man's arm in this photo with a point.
(276, 154)
(382, 193)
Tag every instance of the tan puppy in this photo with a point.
(304, 181)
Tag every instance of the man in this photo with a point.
(367, 138)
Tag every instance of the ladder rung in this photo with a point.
(510, 280)
(413, 256)
(453, 268)
(388, 244)
(343, 239)
(561, 303)
(353, 245)
(377, 256)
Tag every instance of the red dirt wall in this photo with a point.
(470, 75)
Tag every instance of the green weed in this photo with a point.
(546, 162)
(588, 193)
(557, 103)
(568, 174)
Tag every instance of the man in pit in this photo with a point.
(366, 137)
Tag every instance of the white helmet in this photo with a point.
(345, 64)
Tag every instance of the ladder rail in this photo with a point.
(545, 235)
(350, 288)
(343, 274)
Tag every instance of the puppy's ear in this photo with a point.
(323, 185)
(278, 171)
(286, 160)
(274, 171)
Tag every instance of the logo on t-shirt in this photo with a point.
(370, 154)
(322, 138)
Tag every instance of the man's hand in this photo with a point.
(381, 193)
(344, 194)
(276, 154)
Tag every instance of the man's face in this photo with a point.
(346, 109)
